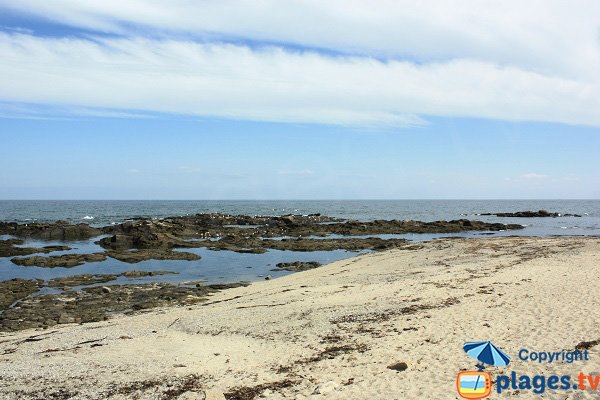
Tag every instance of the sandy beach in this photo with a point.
(335, 331)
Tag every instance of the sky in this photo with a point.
(267, 99)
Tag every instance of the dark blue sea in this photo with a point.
(225, 266)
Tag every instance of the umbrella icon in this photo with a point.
(486, 353)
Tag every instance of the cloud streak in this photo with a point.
(393, 63)
(274, 84)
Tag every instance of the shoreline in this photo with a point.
(333, 331)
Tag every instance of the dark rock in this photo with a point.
(93, 279)
(58, 230)
(136, 256)
(65, 261)
(95, 304)
(8, 248)
(140, 274)
(299, 244)
(532, 214)
(16, 289)
(81, 280)
(401, 366)
(297, 266)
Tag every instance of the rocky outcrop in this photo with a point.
(135, 256)
(16, 289)
(93, 279)
(156, 239)
(8, 248)
(532, 214)
(250, 245)
(296, 266)
(97, 304)
(81, 280)
(65, 261)
(177, 232)
(59, 230)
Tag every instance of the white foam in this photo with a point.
(87, 217)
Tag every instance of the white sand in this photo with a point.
(333, 331)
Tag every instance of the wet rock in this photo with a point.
(141, 274)
(299, 244)
(59, 230)
(8, 248)
(94, 304)
(65, 261)
(136, 256)
(296, 266)
(242, 233)
(16, 289)
(81, 280)
(532, 214)
(65, 318)
(106, 289)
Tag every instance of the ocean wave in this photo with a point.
(88, 217)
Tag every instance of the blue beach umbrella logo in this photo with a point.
(486, 353)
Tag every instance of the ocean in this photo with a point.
(226, 266)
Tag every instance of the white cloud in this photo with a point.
(551, 36)
(273, 84)
(533, 176)
(301, 172)
(511, 60)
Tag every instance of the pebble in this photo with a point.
(326, 388)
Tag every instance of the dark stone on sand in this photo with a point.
(65, 261)
(400, 366)
(297, 266)
(8, 248)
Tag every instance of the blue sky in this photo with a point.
(215, 100)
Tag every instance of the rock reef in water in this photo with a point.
(92, 304)
(532, 214)
(65, 261)
(296, 266)
(136, 256)
(59, 230)
(17, 289)
(92, 279)
(247, 234)
(156, 239)
(9, 248)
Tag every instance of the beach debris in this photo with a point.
(587, 345)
